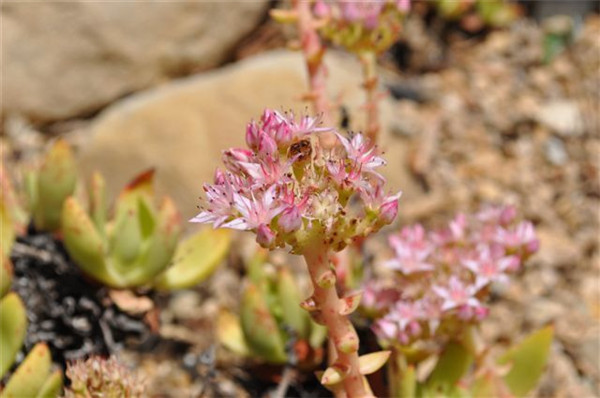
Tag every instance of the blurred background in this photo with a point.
(482, 106)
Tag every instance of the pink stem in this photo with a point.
(313, 51)
(369, 67)
(339, 328)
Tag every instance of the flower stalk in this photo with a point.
(313, 51)
(368, 61)
(329, 310)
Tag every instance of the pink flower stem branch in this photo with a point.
(368, 60)
(313, 51)
(339, 328)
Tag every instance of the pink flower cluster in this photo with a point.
(288, 189)
(442, 276)
(355, 24)
(352, 11)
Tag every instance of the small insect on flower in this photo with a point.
(301, 149)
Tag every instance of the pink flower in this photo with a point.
(411, 251)
(290, 219)
(220, 200)
(488, 268)
(359, 151)
(523, 236)
(457, 294)
(267, 171)
(254, 212)
(265, 236)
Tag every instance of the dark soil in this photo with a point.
(72, 314)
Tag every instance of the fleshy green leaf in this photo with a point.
(98, 205)
(528, 359)
(159, 249)
(7, 229)
(230, 334)
(6, 273)
(408, 382)
(195, 259)
(56, 181)
(52, 386)
(483, 386)
(451, 367)
(126, 241)
(30, 376)
(13, 325)
(259, 326)
(83, 242)
(289, 298)
(318, 334)
(334, 374)
(371, 363)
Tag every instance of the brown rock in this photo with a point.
(62, 59)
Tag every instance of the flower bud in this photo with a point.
(389, 210)
(232, 158)
(290, 219)
(265, 236)
(252, 135)
(267, 146)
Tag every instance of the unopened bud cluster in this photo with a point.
(443, 276)
(99, 377)
(361, 25)
(289, 190)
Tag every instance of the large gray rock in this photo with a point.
(182, 128)
(64, 59)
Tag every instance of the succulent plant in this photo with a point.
(12, 216)
(49, 186)
(493, 13)
(462, 372)
(34, 377)
(271, 320)
(139, 243)
(99, 377)
(13, 321)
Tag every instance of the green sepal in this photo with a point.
(13, 326)
(195, 259)
(452, 365)
(259, 326)
(528, 359)
(55, 182)
(83, 242)
(52, 386)
(289, 298)
(30, 376)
